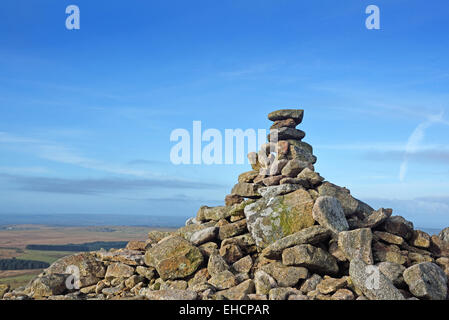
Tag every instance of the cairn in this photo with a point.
(283, 160)
(283, 233)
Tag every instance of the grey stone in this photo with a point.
(90, 269)
(172, 294)
(350, 204)
(243, 265)
(174, 258)
(311, 176)
(271, 219)
(213, 213)
(311, 235)
(372, 283)
(399, 226)
(294, 167)
(444, 234)
(282, 293)
(285, 276)
(301, 154)
(216, 264)
(239, 292)
(264, 282)
(285, 133)
(119, 270)
(246, 190)
(285, 114)
(393, 271)
(223, 280)
(311, 283)
(273, 191)
(426, 280)
(313, 258)
(232, 229)
(327, 211)
(375, 219)
(204, 235)
(47, 285)
(356, 244)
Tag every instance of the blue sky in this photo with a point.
(86, 115)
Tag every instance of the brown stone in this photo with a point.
(420, 239)
(232, 199)
(389, 237)
(272, 180)
(290, 123)
(136, 245)
(231, 253)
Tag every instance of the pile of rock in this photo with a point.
(284, 233)
(280, 161)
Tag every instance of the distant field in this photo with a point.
(45, 256)
(22, 235)
(17, 278)
(14, 239)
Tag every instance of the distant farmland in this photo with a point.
(19, 242)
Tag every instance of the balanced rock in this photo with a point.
(284, 114)
(285, 134)
(290, 123)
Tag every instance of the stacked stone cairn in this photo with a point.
(284, 233)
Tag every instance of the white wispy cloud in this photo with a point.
(416, 139)
(52, 151)
(249, 70)
(379, 146)
(23, 170)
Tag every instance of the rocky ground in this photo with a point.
(284, 233)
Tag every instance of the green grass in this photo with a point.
(19, 281)
(45, 256)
